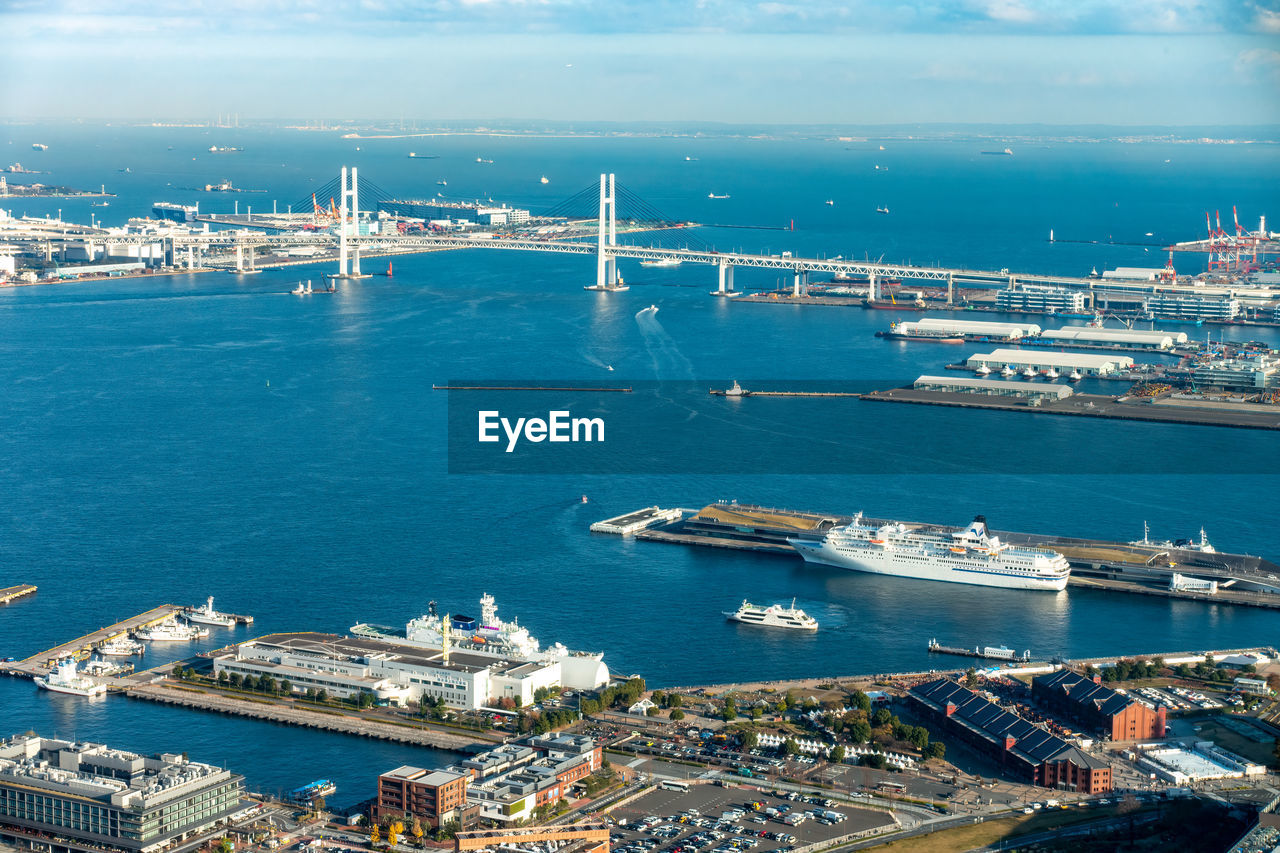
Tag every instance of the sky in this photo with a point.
(855, 62)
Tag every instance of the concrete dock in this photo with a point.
(81, 647)
(11, 593)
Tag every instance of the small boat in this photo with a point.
(206, 615)
(1007, 371)
(584, 499)
(482, 160)
(881, 147)
(983, 370)
(736, 391)
(662, 262)
(1051, 373)
(544, 180)
(1029, 372)
(881, 209)
(830, 202)
(125, 169)
(40, 146)
(609, 367)
(713, 195)
(120, 647)
(653, 308)
(301, 289)
(100, 204)
(1074, 376)
(442, 183)
(691, 159)
(171, 631)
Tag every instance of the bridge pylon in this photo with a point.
(348, 219)
(607, 235)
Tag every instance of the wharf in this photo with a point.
(81, 647)
(1101, 565)
(524, 388)
(1006, 655)
(10, 593)
(729, 392)
(1092, 406)
(291, 713)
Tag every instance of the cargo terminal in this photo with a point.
(1063, 362)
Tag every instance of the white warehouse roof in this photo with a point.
(1003, 386)
(1115, 336)
(978, 327)
(1069, 360)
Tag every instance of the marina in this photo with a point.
(82, 647)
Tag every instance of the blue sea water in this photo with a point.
(169, 438)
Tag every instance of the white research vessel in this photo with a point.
(120, 646)
(774, 616)
(66, 678)
(970, 555)
(208, 616)
(170, 631)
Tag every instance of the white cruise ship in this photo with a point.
(774, 616)
(969, 556)
(66, 678)
(207, 615)
(170, 631)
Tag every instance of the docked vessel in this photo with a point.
(175, 212)
(917, 334)
(120, 646)
(663, 262)
(970, 555)
(890, 305)
(308, 794)
(713, 195)
(207, 615)
(490, 636)
(66, 678)
(774, 616)
(1203, 545)
(170, 631)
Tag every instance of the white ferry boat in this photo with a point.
(171, 631)
(774, 616)
(208, 616)
(66, 678)
(662, 262)
(969, 556)
(120, 646)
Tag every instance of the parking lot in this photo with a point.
(712, 819)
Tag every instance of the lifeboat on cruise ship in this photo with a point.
(955, 550)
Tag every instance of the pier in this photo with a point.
(1101, 565)
(525, 388)
(81, 647)
(12, 593)
(985, 653)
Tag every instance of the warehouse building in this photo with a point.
(1029, 752)
(1135, 338)
(108, 798)
(1041, 299)
(1099, 708)
(1034, 391)
(1193, 307)
(1064, 362)
(1239, 374)
(973, 328)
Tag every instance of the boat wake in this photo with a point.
(668, 361)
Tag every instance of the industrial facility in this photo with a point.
(1034, 391)
(1132, 338)
(1063, 362)
(1099, 708)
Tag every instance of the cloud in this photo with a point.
(1009, 10)
(1259, 63)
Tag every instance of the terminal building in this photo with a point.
(1064, 362)
(1041, 299)
(1033, 391)
(1193, 307)
(1098, 708)
(108, 799)
(1029, 752)
(1132, 338)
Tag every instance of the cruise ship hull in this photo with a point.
(958, 570)
(90, 692)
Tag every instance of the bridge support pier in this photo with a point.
(252, 255)
(239, 258)
(801, 285)
(191, 257)
(873, 288)
(726, 278)
(951, 289)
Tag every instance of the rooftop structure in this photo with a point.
(1027, 750)
(1193, 307)
(1239, 374)
(1085, 363)
(1203, 762)
(993, 387)
(977, 328)
(108, 797)
(1116, 337)
(1035, 298)
(436, 796)
(1087, 701)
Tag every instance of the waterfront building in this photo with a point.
(1204, 761)
(1257, 686)
(394, 673)
(99, 797)
(1099, 708)
(471, 212)
(1193, 307)
(972, 328)
(1086, 364)
(536, 771)
(1135, 338)
(1239, 374)
(1033, 391)
(1030, 297)
(434, 796)
(1030, 753)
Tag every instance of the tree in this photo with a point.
(658, 698)
(223, 679)
(677, 715)
(177, 670)
(971, 678)
(417, 829)
(837, 754)
(674, 700)
(937, 749)
(860, 731)
(225, 846)
(882, 717)
(790, 747)
(750, 740)
(322, 695)
(250, 683)
(237, 680)
(653, 712)
(286, 687)
(375, 835)
(394, 832)
(919, 737)
(875, 760)
(860, 700)
(730, 709)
